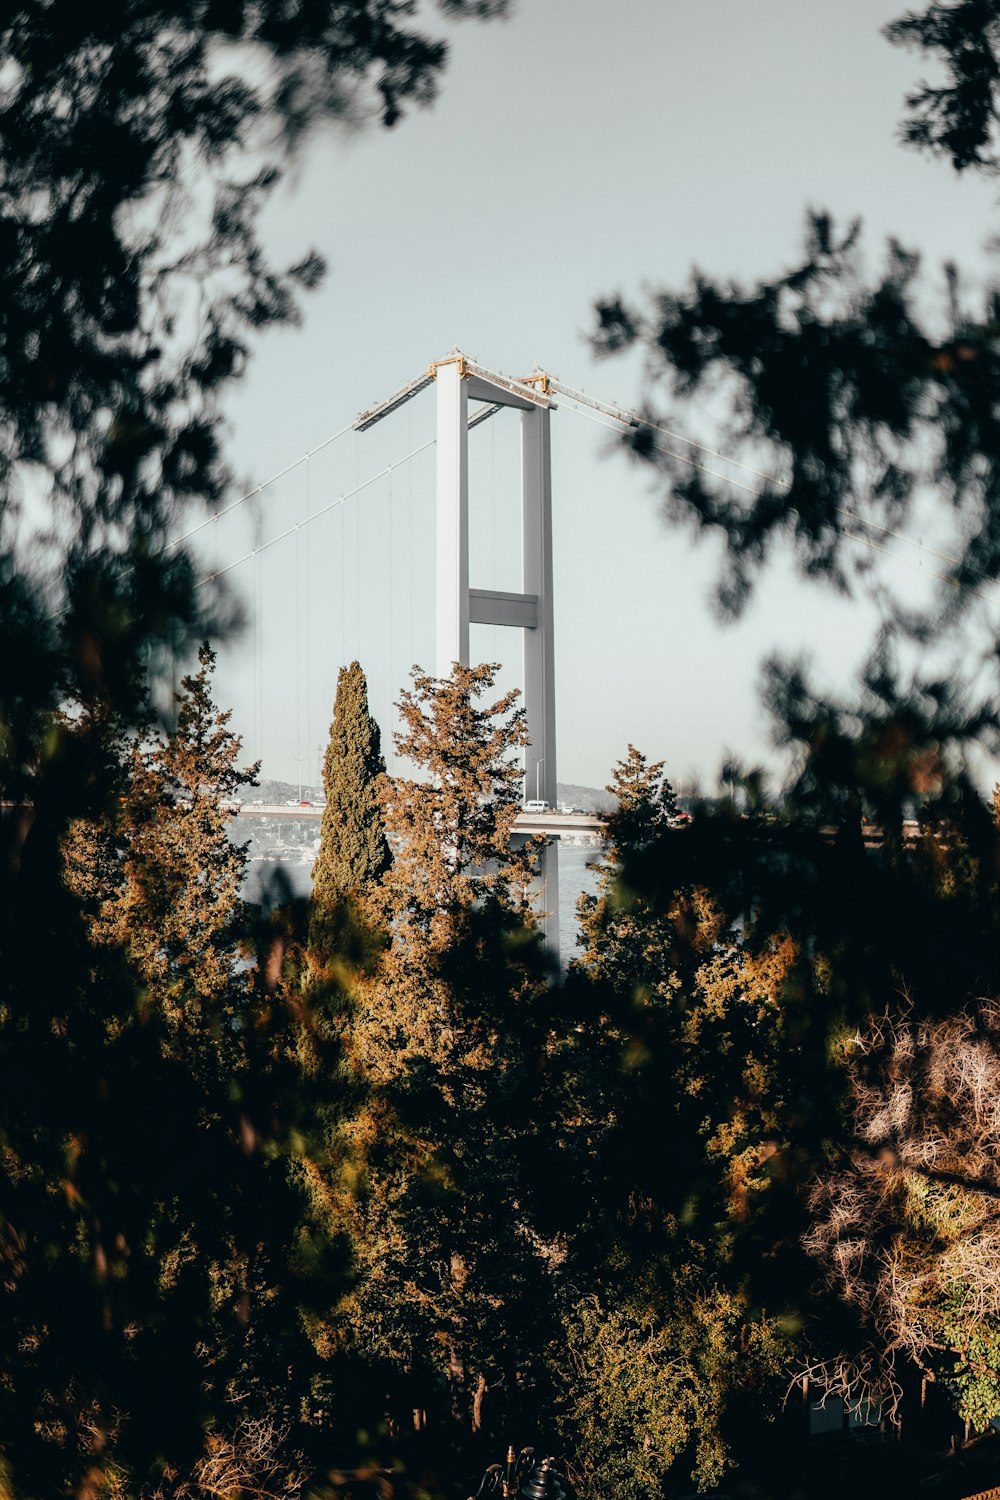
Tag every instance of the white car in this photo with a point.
(536, 805)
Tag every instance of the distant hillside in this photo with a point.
(283, 791)
(586, 798)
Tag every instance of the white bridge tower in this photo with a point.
(458, 604)
(460, 380)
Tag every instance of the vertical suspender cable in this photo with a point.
(258, 645)
(392, 679)
(298, 658)
(409, 529)
(308, 703)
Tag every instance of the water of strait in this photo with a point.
(575, 877)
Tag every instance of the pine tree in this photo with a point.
(162, 879)
(447, 1035)
(149, 1208)
(353, 853)
(626, 942)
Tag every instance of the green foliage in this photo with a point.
(646, 1386)
(161, 880)
(796, 1038)
(623, 942)
(831, 1044)
(146, 1216)
(836, 388)
(162, 1243)
(456, 850)
(445, 1038)
(676, 1070)
(697, 1033)
(958, 118)
(136, 1279)
(353, 853)
(974, 1378)
(583, 1205)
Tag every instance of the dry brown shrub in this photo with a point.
(909, 1217)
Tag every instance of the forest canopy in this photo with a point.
(356, 1190)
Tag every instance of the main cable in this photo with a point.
(323, 510)
(908, 562)
(257, 490)
(632, 418)
(613, 425)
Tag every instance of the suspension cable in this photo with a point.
(630, 418)
(909, 562)
(323, 510)
(257, 490)
(614, 425)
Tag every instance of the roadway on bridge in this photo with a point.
(555, 824)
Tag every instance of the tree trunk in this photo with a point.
(477, 1403)
(456, 1361)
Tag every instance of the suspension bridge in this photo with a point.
(421, 570)
(467, 396)
(458, 569)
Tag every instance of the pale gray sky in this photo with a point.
(578, 149)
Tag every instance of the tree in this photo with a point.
(904, 1218)
(353, 853)
(457, 849)
(649, 1384)
(446, 1037)
(163, 884)
(958, 120)
(138, 151)
(672, 1109)
(618, 931)
(852, 408)
(139, 1278)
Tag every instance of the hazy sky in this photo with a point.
(577, 149)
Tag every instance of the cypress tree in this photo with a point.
(353, 853)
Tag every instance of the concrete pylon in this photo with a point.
(460, 380)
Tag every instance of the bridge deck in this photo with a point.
(555, 824)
